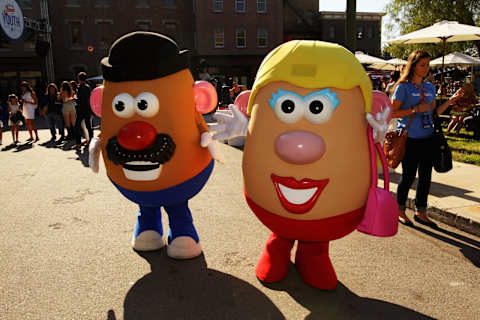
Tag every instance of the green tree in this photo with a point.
(411, 15)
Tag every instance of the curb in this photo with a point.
(452, 219)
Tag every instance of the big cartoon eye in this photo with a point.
(147, 104)
(318, 109)
(123, 105)
(288, 108)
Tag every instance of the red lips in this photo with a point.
(304, 184)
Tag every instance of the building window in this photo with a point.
(262, 38)
(359, 33)
(370, 32)
(261, 6)
(239, 5)
(241, 37)
(170, 27)
(104, 32)
(217, 5)
(102, 3)
(219, 36)
(144, 25)
(25, 4)
(142, 3)
(331, 32)
(76, 36)
(72, 3)
(169, 3)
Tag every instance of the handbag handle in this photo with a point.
(373, 162)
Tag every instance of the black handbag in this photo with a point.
(17, 117)
(442, 161)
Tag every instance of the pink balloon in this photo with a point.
(96, 101)
(242, 101)
(205, 96)
(379, 102)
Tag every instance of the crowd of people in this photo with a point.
(67, 108)
(227, 91)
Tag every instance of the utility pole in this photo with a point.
(350, 16)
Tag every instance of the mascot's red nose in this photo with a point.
(136, 136)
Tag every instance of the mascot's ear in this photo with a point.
(379, 102)
(205, 96)
(96, 101)
(241, 102)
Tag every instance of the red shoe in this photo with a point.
(275, 259)
(314, 265)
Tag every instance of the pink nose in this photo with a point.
(299, 147)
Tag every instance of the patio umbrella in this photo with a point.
(367, 59)
(455, 59)
(391, 64)
(444, 31)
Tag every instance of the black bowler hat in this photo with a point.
(143, 56)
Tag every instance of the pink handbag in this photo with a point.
(381, 212)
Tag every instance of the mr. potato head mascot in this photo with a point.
(155, 144)
(308, 166)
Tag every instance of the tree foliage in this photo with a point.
(411, 15)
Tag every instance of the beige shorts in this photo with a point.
(68, 107)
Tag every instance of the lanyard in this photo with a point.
(422, 93)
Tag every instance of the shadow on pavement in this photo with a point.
(23, 147)
(83, 156)
(439, 190)
(340, 303)
(188, 289)
(471, 253)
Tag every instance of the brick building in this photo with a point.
(232, 37)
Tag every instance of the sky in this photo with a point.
(362, 6)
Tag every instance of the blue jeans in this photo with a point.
(418, 155)
(56, 119)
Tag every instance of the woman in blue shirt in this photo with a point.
(413, 97)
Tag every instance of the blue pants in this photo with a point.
(55, 119)
(175, 202)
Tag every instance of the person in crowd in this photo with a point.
(14, 121)
(393, 79)
(84, 113)
(235, 90)
(68, 109)
(415, 98)
(226, 98)
(29, 104)
(462, 107)
(53, 112)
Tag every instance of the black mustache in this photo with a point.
(160, 152)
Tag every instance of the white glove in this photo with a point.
(379, 124)
(229, 125)
(94, 153)
(207, 141)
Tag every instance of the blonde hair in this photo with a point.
(313, 64)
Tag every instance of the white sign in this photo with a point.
(11, 19)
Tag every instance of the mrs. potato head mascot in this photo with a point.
(306, 163)
(155, 144)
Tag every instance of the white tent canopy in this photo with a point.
(450, 31)
(367, 59)
(456, 59)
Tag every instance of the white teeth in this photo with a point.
(142, 175)
(140, 163)
(297, 196)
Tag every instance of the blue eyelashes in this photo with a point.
(326, 93)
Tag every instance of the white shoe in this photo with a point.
(148, 240)
(183, 248)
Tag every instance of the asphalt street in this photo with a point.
(65, 254)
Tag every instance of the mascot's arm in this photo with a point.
(229, 125)
(206, 139)
(94, 153)
(379, 125)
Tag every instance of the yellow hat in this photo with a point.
(313, 64)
